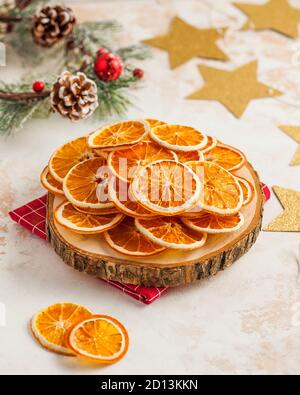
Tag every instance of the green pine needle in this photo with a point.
(13, 115)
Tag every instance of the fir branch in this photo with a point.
(136, 52)
(10, 18)
(92, 35)
(23, 96)
(112, 96)
(18, 104)
(14, 114)
(22, 4)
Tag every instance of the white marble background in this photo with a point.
(243, 320)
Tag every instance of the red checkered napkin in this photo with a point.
(32, 216)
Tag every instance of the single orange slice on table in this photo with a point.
(70, 218)
(50, 183)
(99, 337)
(184, 157)
(171, 233)
(214, 223)
(128, 240)
(211, 143)
(227, 157)
(68, 156)
(166, 187)
(118, 134)
(125, 163)
(221, 193)
(120, 194)
(86, 184)
(49, 326)
(178, 137)
(248, 190)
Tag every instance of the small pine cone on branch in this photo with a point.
(52, 24)
(74, 96)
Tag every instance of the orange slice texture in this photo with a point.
(68, 156)
(118, 134)
(120, 194)
(184, 157)
(101, 337)
(166, 187)
(68, 217)
(171, 233)
(50, 183)
(86, 184)
(97, 211)
(50, 325)
(154, 122)
(178, 137)
(128, 240)
(227, 157)
(125, 163)
(211, 143)
(214, 223)
(222, 193)
(248, 190)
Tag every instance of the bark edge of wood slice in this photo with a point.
(142, 273)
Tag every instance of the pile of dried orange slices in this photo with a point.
(148, 186)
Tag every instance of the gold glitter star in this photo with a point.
(234, 89)
(294, 133)
(277, 15)
(289, 220)
(184, 42)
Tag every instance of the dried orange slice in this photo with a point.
(97, 211)
(184, 157)
(125, 163)
(248, 190)
(178, 138)
(211, 143)
(128, 240)
(214, 223)
(222, 193)
(86, 184)
(49, 326)
(70, 218)
(50, 183)
(119, 134)
(228, 157)
(120, 194)
(171, 233)
(68, 156)
(166, 187)
(154, 122)
(99, 337)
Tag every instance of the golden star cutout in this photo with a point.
(184, 42)
(234, 89)
(289, 220)
(294, 133)
(277, 15)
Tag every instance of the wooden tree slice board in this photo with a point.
(92, 255)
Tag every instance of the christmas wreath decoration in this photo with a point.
(90, 77)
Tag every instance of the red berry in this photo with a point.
(38, 86)
(101, 51)
(138, 73)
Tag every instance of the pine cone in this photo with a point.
(74, 96)
(52, 24)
